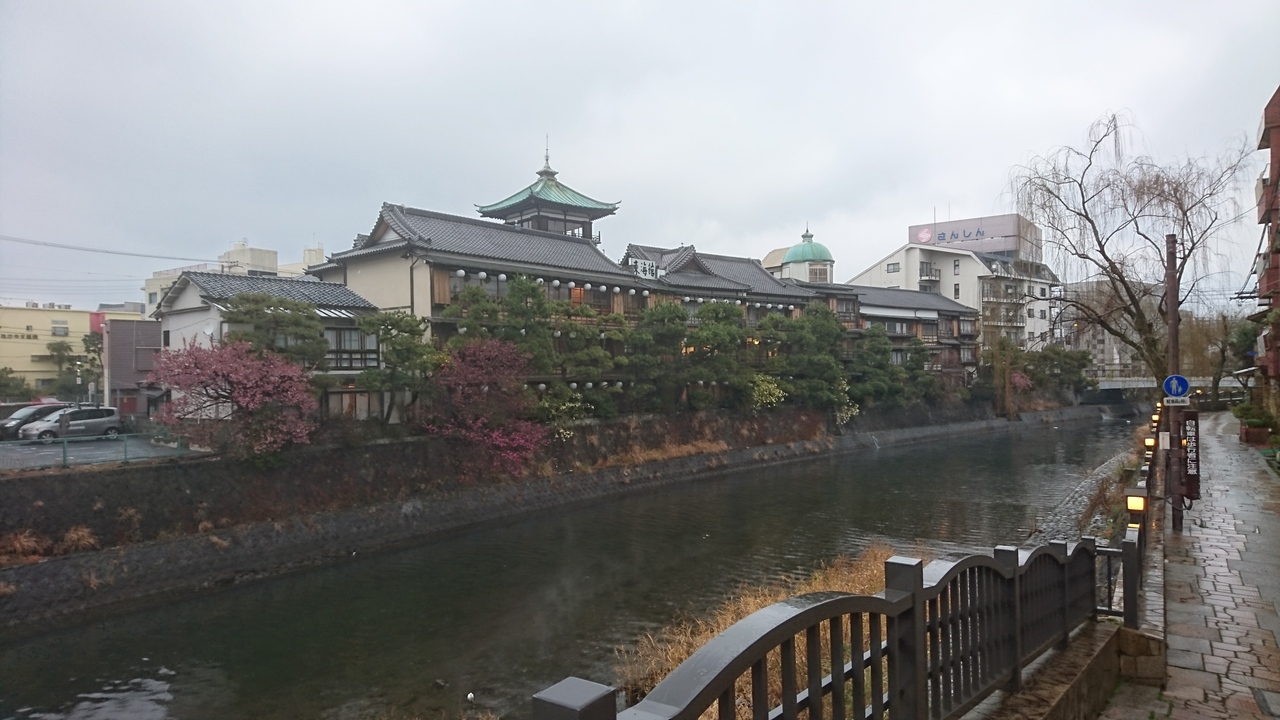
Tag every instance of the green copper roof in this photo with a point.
(808, 251)
(549, 190)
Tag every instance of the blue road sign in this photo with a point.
(1176, 386)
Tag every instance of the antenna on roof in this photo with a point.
(546, 158)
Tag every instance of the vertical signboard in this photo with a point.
(1191, 432)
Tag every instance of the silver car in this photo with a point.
(74, 422)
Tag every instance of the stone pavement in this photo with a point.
(1222, 588)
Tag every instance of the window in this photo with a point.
(1031, 313)
(151, 298)
(955, 267)
(898, 357)
(164, 339)
(58, 331)
(966, 327)
(350, 349)
(966, 354)
(1043, 316)
(894, 327)
(956, 291)
(1031, 335)
(892, 267)
(1043, 291)
(818, 274)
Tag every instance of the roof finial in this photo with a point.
(546, 172)
(807, 236)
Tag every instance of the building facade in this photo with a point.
(1267, 264)
(991, 264)
(129, 348)
(190, 313)
(27, 331)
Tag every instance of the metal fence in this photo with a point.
(936, 642)
(66, 452)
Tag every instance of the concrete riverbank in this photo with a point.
(64, 586)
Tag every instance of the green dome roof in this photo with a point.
(808, 251)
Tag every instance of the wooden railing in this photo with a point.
(937, 641)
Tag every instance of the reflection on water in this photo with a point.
(505, 611)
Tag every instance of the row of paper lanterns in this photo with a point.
(542, 387)
(502, 277)
(768, 306)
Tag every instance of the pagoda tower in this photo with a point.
(552, 206)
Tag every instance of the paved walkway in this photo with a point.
(1222, 588)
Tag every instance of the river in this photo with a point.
(504, 611)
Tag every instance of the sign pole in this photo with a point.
(1176, 461)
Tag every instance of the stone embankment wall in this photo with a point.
(192, 524)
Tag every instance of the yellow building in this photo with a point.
(25, 334)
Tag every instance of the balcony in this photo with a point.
(934, 274)
(1267, 207)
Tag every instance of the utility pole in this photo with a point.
(1177, 454)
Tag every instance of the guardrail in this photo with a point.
(937, 641)
(66, 452)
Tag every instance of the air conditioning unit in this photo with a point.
(50, 306)
(32, 304)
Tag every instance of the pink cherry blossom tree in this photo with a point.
(483, 405)
(231, 398)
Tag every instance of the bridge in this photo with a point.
(1229, 382)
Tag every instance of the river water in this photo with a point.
(502, 612)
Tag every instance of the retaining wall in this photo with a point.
(187, 562)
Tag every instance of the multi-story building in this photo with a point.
(128, 355)
(991, 264)
(239, 260)
(1267, 266)
(27, 331)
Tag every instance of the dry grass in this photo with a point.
(656, 655)
(24, 543)
(219, 543)
(78, 539)
(667, 452)
(6, 589)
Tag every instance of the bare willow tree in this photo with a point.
(1105, 214)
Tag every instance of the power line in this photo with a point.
(43, 243)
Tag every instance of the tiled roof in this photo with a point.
(701, 281)
(750, 272)
(488, 240)
(321, 294)
(910, 299)
(547, 189)
(746, 274)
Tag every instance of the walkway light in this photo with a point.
(645, 293)
(502, 277)
(1155, 418)
(482, 275)
(1149, 443)
(573, 386)
(542, 387)
(587, 286)
(687, 298)
(555, 283)
(540, 281)
(461, 273)
(632, 292)
(616, 289)
(1135, 503)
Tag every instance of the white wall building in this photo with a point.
(992, 264)
(239, 260)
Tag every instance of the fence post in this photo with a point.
(1059, 548)
(1130, 564)
(1090, 545)
(575, 699)
(64, 452)
(125, 439)
(1007, 556)
(909, 689)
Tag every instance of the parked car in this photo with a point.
(32, 413)
(79, 422)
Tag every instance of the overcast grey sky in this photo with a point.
(176, 128)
